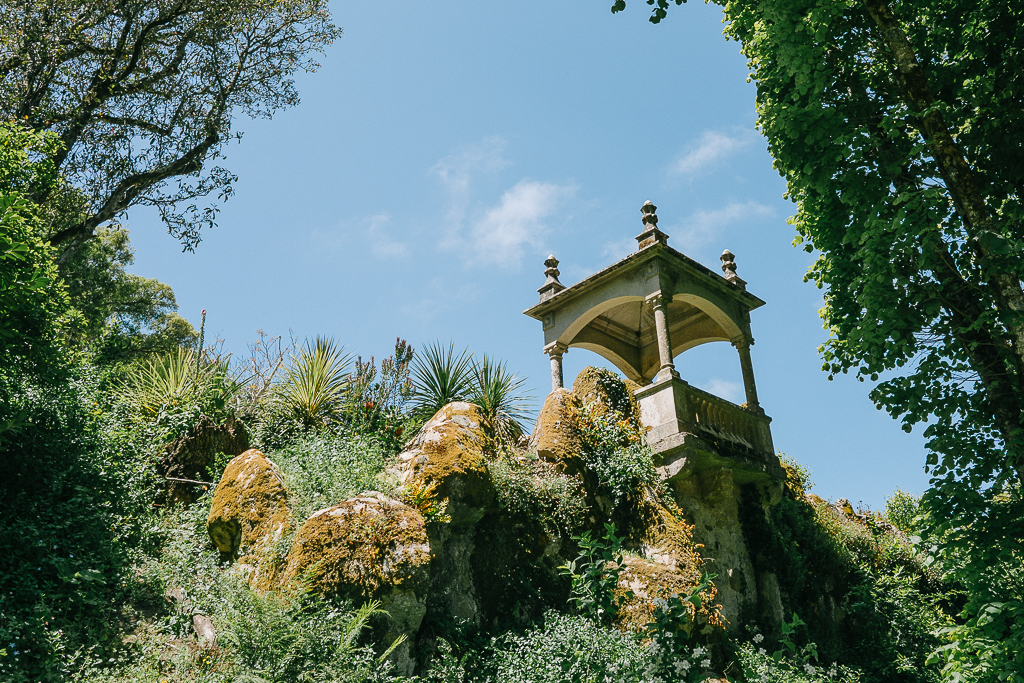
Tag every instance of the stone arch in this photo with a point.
(591, 314)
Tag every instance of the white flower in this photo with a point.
(832, 671)
(681, 666)
(758, 638)
(706, 663)
(661, 603)
(698, 651)
(762, 652)
(809, 669)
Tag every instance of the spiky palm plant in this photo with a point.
(499, 395)
(316, 381)
(439, 376)
(174, 379)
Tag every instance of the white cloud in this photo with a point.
(517, 222)
(457, 169)
(701, 227)
(712, 147)
(730, 391)
(382, 239)
(619, 249)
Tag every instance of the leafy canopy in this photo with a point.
(142, 95)
(898, 128)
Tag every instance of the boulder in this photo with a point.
(447, 456)
(250, 506)
(555, 437)
(606, 392)
(369, 548)
(191, 456)
(448, 453)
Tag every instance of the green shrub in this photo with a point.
(534, 490)
(74, 499)
(901, 509)
(324, 469)
(616, 453)
(563, 649)
(595, 576)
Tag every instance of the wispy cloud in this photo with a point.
(457, 170)
(518, 221)
(619, 249)
(498, 234)
(382, 239)
(730, 391)
(701, 227)
(711, 148)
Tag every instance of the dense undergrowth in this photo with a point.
(99, 584)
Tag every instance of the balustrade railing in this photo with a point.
(725, 420)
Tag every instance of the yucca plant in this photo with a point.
(499, 395)
(439, 376)
(316, 382)
(178, 378)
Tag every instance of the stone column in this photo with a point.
(555, 351)
(668, 369)
(743, 346)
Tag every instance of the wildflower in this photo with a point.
(681, 666)
(698, 651)
(706, 663)
(832, 671)
(758, 638)
(762, 652)
(809, 668)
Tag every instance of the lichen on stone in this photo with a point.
(249, 507)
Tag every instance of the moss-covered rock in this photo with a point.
(447, 453)
(606, 391)
(555, 437)
(369, 548)
(250, 506)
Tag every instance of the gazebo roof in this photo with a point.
(610, 313)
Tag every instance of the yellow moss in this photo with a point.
(250, 505)
(605, 391)
(361, 549)
(556, 436)
(448, 455)
(672, 565)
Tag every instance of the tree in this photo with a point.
(123, 314)
(899, 127)
(142, 95)
(33, 301)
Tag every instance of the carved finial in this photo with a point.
(729, 268)
(551, 285)
(648, 210)
(651, 234)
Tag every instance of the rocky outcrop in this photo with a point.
(555, 436)
(606, 392)
(447, 455)
(369, 548)
(710, 502)
(250, 506)
(190, 458)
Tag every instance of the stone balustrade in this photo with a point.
(722, 419)
(682, 419)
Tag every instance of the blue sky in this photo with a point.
(444, 149)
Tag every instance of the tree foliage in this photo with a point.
(123, 314)
(33, 302)
(898, 128)
(142, 95)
